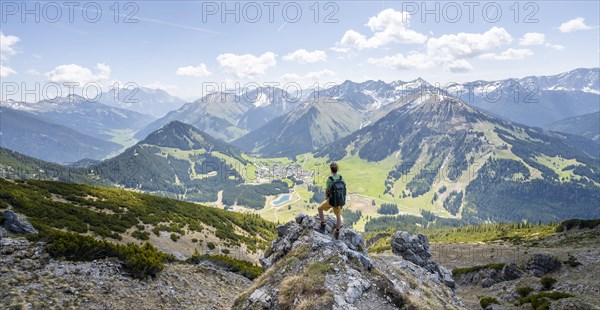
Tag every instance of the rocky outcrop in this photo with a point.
(415, 249)
(541, 264)
(486, 276)
(13, 223)
(31, 279)
(350, 242)
(309, 269)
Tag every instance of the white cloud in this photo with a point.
(411, 61)
(247, 65)
(509, 54)
(389, 26)
(6, 71)
(450, 51)
(557, 47)
(33, 72)
(6, 49)
(574, 25)
(6, 46)
(198, 71)
(532, 38)
(79, 74)
(309, 78)
(303, 56)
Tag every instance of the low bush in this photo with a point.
(486, 301)
(244, 268)
(541, 299)
(457, 272)
(139, 261)
(547, 282)
(523, 291)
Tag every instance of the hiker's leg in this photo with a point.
(320, 208)
(338, 217)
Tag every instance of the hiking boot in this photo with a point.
(322, 227)
(337, 234)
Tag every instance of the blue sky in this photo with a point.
(177, 46)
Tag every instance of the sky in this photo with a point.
(189, 48)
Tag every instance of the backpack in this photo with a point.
(337, 192)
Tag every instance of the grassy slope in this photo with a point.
(116, 214)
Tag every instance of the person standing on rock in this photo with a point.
(335, 190)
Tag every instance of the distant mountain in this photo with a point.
(228, 116)
(444, 152)
(31, 135)
(91, 118)
(587, 125)
(14, 165)
(370, 95)
(535, 100)
(216, 114)
(155, 102)
(304, 129)
(177, 160)
(268, 103)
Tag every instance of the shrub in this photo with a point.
(486, 301)
(547, 282)
(141, 235)
(572, 261)
(139, 261)
(225, 251)
(540, 300)
(211, 246)
(175, 237)
(457, 272)
(244, 268)
(523, 291)
(194, 240)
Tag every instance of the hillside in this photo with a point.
(151, 101)
(587, 125)
(85, 116)
(535, 100)
(120, 216)
(460, 161)
(302, 130)
(31, 135)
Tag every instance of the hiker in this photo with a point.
(335, 190)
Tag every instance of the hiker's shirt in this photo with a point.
(330, 183)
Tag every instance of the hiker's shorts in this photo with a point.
(325, 206)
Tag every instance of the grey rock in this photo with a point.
(355, 290)
(415, 249)
(511, 272)
(260, 297)
(3, 232)
(541, 264)
(17, 224)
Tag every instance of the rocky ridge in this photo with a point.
(310, 269)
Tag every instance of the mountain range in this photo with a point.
(151, 101)
(408, 143)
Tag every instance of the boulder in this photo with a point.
(16, 224)
(541, 264)
(511, 272)
(415, 249)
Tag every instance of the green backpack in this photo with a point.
(337, 192)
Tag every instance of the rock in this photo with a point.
(511, 272)
(16, 224)
(541, 264)
(415, 249)
(3, 232)
(260, 297)
(569, 304)
(355, 290)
